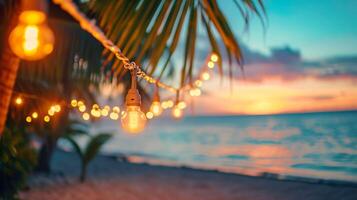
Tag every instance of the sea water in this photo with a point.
(314, 145)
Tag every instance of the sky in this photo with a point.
(304, 61)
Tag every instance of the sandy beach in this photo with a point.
(111, 179)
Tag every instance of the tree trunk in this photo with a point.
(83, 175)
(9, 64)
(45, 155)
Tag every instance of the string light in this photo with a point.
(210, 65)
(32, 39)
(57, 108)
(74, 103)
(214, 57)
(71, 8)
(133, 120)
(149, 115)
(95, 112)
(28, 119)
(46, 119)
(198, 83)
(34, 115)
(82, 108)
(51, 112)
(85, 116)
(164, 105)
(104, 112)
(106, 107)
(170, 103)
(177, 112)
(114, 116)
(182, 105)
(155, 107)
(116, 109)
(18, 101)
(205, 76)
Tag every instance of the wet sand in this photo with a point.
(111, 179)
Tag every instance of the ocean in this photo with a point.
(313, 145)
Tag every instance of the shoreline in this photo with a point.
(109, 178)
(267, 175)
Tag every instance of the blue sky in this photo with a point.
(319, 29)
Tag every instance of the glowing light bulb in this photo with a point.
(182, 105)
(95, 106)
(205, 76)
(164, 105)
(46, 119)
(57, 108)
(51, 112)
(177, 113)
(28, 119)
(106, 107)
(31, 39)
(18, 101)
(95, 112)
(210, 65)
(149, 115)
(85, 116)
(170, 103)
(133, 120)
(74, 103)
(156, 108)
(114, 115)
(80, 103)
(116, 109)
(104, 112)
(82, 108)
(34, 115)
(214, 57)
(198, 83)
(195, 92)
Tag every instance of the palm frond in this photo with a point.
(143, 28)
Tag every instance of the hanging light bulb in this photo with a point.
(198, 83)
(57, 108)
(34, 115)
(46, 119)
(74, 103)
(116, 109)
(114, 115)
(32, 39)
(155, 107)
(133, 119)
(82, 108)
(214, 57)
(177, 112)
(85, 116)
(149, 115)
(205, 76)
(28, 119)
(18, 101)
(210, 65)
(104, 112)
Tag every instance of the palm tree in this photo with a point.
(147, 31)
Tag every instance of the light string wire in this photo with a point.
(90, 26)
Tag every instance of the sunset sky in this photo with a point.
(305, 61)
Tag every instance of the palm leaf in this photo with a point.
(75, 146)
(94, 146)
(148, 31)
